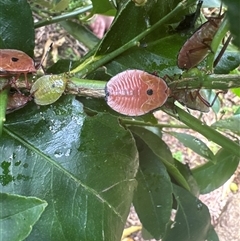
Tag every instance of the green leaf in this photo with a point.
(119, 34)
(137, 19)
(212, 235)
(195, 144)
(80, 33)
(148, 59)
(207, 131)
(232, 124)
(185, 170)
(153, 196)
(234, 19)
(228, 62)
(2, 45)
(210, 176)
(17, 29)
(161, 150)
(84, 167)
(192, 216)
(60, 5)
(236, 91)
(237, 112)
(62, 65)
(103, 7)
(20, 213)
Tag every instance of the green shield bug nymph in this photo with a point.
(48, 89)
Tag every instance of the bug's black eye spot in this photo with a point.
(14, 59)
(149, 92)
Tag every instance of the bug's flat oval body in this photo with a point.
(135, 92)
(193, 99)
(197, 46)
(48, 89)
(14, 61)
(17, 101)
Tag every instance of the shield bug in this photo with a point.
(135, 92)
(17, 101)
(48, 89)
(197, 46)
(15, 62)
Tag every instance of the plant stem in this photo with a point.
(214, 81)
(142, 123)
(3, 107)
(95, 62)
(62, 17)
(206, 131)
(88, 88)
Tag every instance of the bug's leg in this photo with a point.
(13, 83)
(165, 77)
(206, 44)
(204, 101)
(217, 94)
(155, 73)
(222, 51)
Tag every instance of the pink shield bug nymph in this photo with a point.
(135, 92)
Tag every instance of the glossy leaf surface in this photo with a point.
(83, 178)
(160, 149)
(195, 144)
(13, 32)
(153, 196)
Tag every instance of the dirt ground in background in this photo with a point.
(224, 205)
